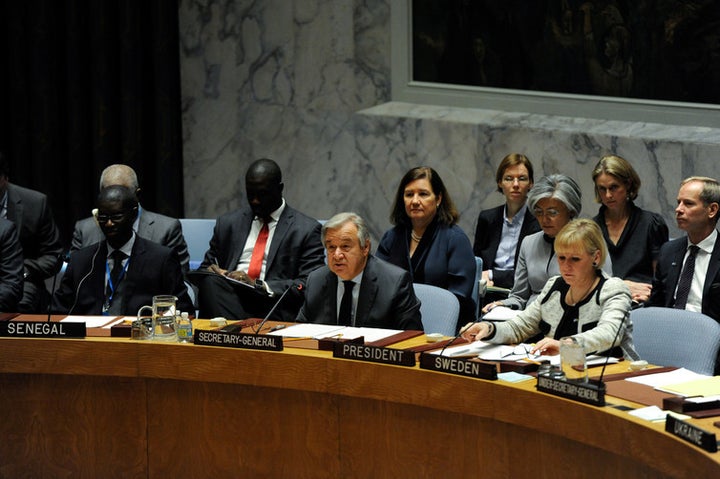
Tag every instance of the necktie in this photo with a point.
(256, 260)
(116, 275)
(345, 316)
(686, 277)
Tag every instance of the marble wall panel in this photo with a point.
(307, 83)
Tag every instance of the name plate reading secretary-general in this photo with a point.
(229, 339)
(373, 354)
(42, 329)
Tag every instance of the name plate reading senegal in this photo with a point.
(374, 354)
(229, 339)
(42, 329)
(690, 433)
(459, 366)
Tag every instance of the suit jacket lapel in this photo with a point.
(241, 231)
(14, 208)
(712, 271)
(331, 298)
(368, 291)
(135, 270)
(145, 226)
(676, 265)
(281, 228)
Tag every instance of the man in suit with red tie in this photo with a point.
(687, 275)
(267, 246)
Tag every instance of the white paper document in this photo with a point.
(325, 331)
(500, 313)
(90, 321)
(659, 380)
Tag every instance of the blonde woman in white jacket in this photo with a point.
(583, 302)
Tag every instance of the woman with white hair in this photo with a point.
(554, 200)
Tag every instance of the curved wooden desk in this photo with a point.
(116, 408)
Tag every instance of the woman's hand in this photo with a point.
(490, 306)
(547, 347)
(639, 292)
(475, 331)
(486, 277)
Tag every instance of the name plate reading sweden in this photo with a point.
(42, 329)
(374, 354)
(461, 367)
(228, 339)
(690, 433)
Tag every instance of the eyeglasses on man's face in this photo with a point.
(115, 218)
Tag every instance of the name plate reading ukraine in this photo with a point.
(374, 354)
(690, 433)
(42, 329)
(459, 366)
(229, 339)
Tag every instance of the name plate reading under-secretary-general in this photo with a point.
(459, 366)
(374, 354)
(229, 339)
(42, 329)
(690, 433)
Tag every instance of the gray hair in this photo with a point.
(560, 187)
(121, 175)
(347, 217)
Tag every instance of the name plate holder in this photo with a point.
(42, 329)
(459, 366)
(591, 392)
(229, 339)
(691, 433)
(373, 354)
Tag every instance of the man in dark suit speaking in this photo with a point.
(356, 288)
(152, 226)
(122, 272)
(267, 246)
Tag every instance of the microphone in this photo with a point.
(92, 268)
(298, 288)
(62, 257)
(457, 336)
(612, 345)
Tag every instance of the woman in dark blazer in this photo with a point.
(506, 224)
(427, 242)
(634, 236)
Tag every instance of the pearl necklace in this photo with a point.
(415, 237)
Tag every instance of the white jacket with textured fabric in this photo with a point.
(600, 316)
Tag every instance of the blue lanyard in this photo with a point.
(109, 279)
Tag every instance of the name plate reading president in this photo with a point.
(374, 354)
(691, 433)
(42, 329)
(229, 339)
(461, 367)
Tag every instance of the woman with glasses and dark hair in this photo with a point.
(427, 242)
(500, 230)
(554, 200)
(634, 236)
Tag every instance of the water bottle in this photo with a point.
(184, 328)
